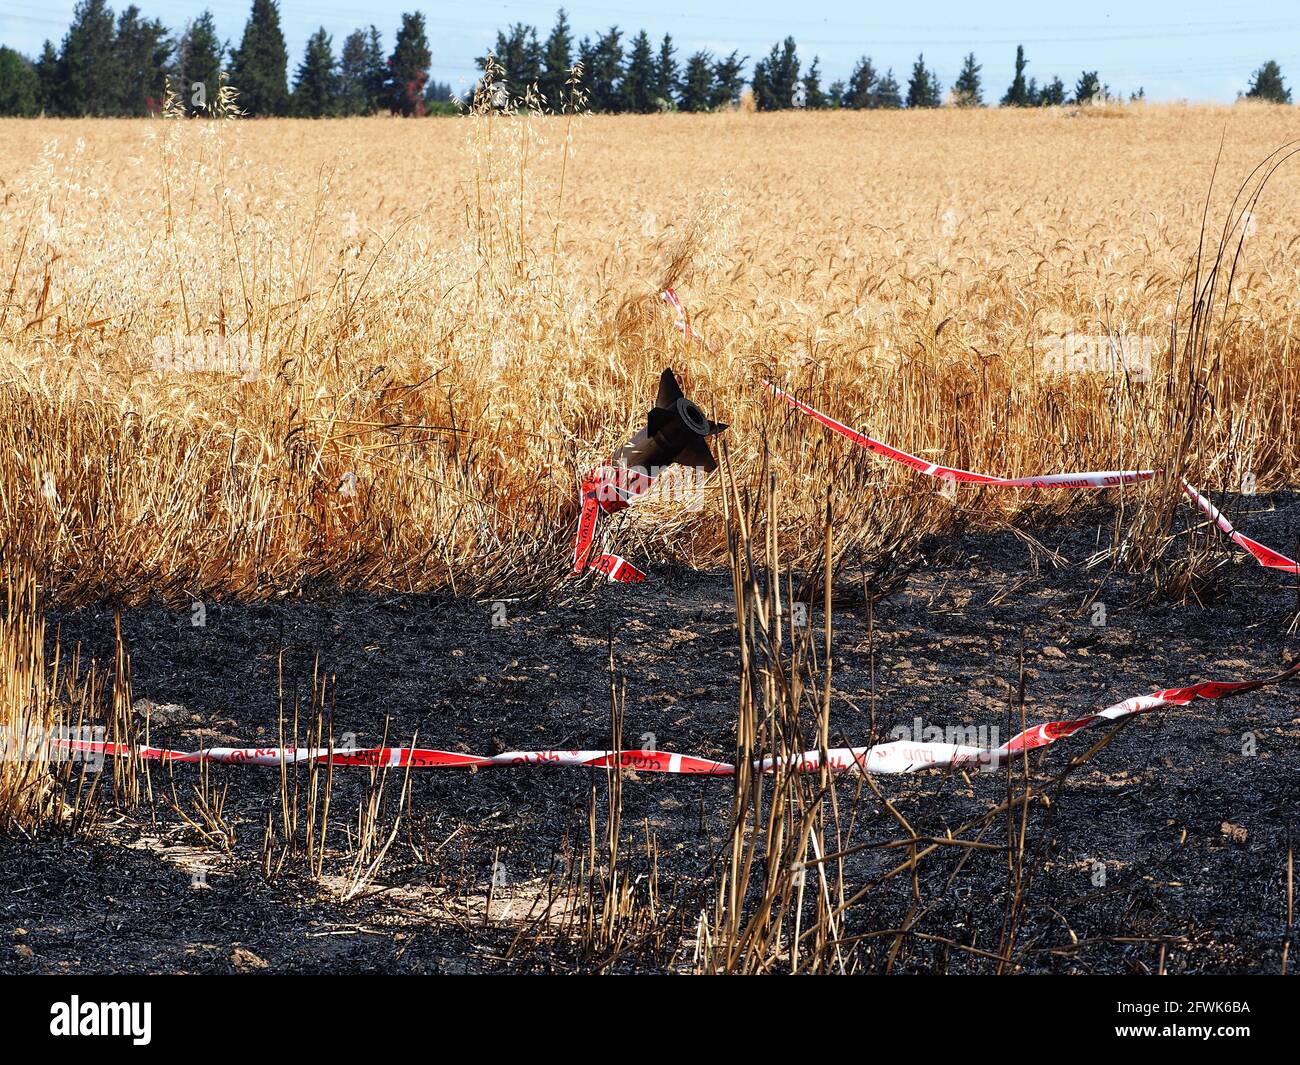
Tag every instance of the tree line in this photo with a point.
(643, 78)
(129, 65)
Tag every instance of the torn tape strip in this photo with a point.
(604, 493)
(1265, 556)
(1086, 479)
(1262, 554)
(905, 756)
(682, 320)
(896, 756)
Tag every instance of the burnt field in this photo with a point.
(1166, 850)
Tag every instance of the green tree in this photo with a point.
(966, 89)
(20, 87)
(408, 68)
(888, 93)
(1267, 84)
(519, 54)
(558, 61)
(440, 99)
(813, 96)
(835, 94)
(697, 83)
(1087, 88)
(199, 55)
(1017, 94)
(728, 80)
(1052, 94)
(376, 65)
(354, 95)
(602, 66)
(88, 77)
(48, 78)
(316, 86)
(758, 86)
(923, 88)
(861, 90)
(776, 78)
(260, 65)
(639, 82)
(665, 87)
(143, 50)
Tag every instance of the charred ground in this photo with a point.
(1192, 832)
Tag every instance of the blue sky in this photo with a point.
(1201, 50)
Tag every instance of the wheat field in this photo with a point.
(250, 361)
(254, 358)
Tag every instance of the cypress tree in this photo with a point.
(923, 89)
(260, 64)
(665, 79)
(697, 83)
(316, 88)
(1017, 94)
(88, 77)
(408, 68)
(1087, 88)
(1052, 94)
(198, 64)
(966, 89)
(888, 94)
(603, 70)
(813, 97)
(639, 79)
(519, 54)
(557, 61)
(728, 80)
(760, 84)
(861, 90)
(353, 98)
(143, 54)
(47, 78)
(376, 71)
(776, 78)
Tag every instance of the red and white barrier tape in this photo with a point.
(400, 757)
(1265, 556)
(605, 490)
(896, 756)
(1086, 479)
(905, 756)
(682, 320)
